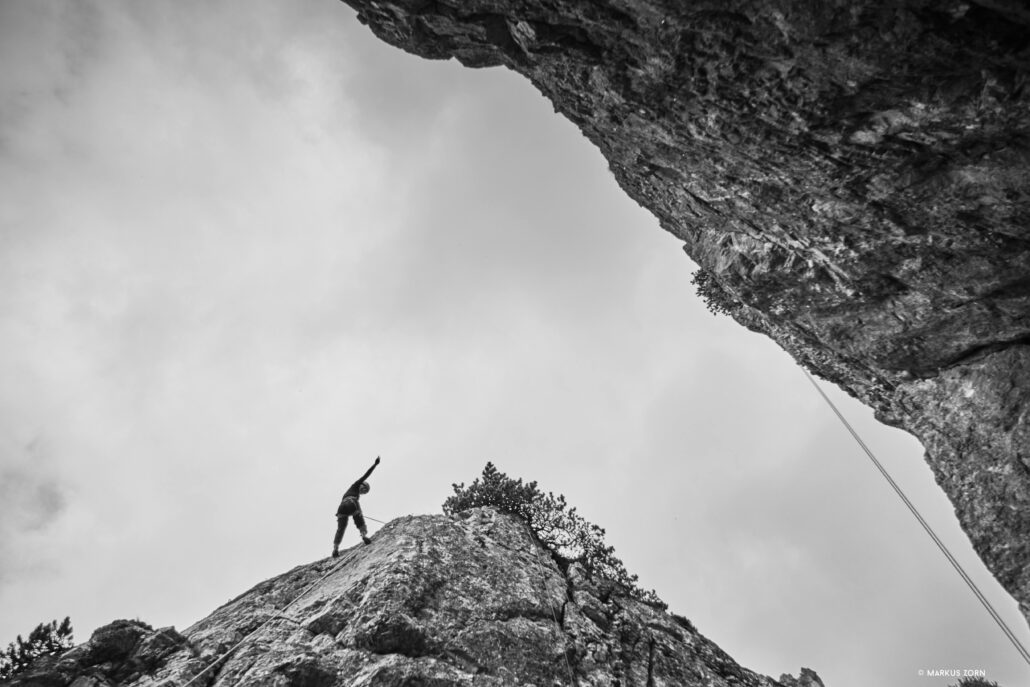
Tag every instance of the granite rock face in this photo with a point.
(470, 599)
(852, 176)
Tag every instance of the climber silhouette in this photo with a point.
(349, 507)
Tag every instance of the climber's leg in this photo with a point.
(341, 526)
(359, 520)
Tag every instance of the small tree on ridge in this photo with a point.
(567, 535)
(46, 640)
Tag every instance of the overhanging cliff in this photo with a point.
(853, 178)
(438, 601)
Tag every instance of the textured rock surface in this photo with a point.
(435, 601)
(122, 652)
(852, 176)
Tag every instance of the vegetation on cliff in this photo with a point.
(716, 298)
(568, 536)
(47, 639)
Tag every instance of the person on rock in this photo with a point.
(350, 508)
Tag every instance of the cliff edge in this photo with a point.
(470, 599)
(853, 178)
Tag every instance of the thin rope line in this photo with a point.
(1024, 654)
(564, 653)
(278, 616)
(265, 624)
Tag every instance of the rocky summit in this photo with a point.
(852, 177)
(469, 599)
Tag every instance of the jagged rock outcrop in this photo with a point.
(852, 176)
(469, 599)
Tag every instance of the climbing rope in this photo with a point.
(564, 653)
(278, 615)
(926, 526)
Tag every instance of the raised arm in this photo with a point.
(369, 472)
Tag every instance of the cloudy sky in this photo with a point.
(245, 248)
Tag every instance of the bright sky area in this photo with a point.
(245, 248)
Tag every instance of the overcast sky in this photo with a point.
(245, 247)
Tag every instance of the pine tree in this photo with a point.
(46, 639)
(567, 535)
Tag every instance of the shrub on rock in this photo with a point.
(47, 639)
(564, 533)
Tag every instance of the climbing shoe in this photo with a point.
(336, 553)
(366, 539)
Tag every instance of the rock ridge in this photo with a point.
(470, 599)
